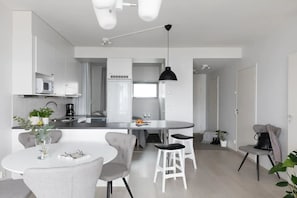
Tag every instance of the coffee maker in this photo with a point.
(69, 110)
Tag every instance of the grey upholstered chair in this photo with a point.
(274, 133)
(14, 189)
(28, 140)
(64, 182)
(120, 166)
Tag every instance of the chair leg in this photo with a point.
(157, 165)
(273, 165)
(127, 186)
(193, 154)
(174, 164)
(108, 191)
(164, 170)
(258, 167)
(243, 161)
(182, 165)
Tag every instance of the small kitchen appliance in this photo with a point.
(44, 86)
(69, 109)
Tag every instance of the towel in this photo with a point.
(274, 133)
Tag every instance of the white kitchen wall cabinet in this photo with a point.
(38, 48)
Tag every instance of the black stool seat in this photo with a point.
(174, 146)
(181, 136)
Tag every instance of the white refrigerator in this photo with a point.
(119, 100)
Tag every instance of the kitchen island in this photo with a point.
(149, 125)
(95, 130)
(72, 131)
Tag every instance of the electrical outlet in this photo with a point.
(234, 142)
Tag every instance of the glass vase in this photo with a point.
(43, 145)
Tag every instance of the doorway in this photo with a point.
(205, 102)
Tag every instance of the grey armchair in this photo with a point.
(120, 166)
(14, 189)
(274, 133)
(28, 140)
(64, 182)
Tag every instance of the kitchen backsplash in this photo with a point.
(23, 105)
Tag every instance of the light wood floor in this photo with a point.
(216, 176)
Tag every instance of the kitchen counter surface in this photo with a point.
(150, 125)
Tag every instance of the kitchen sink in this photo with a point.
(65, 120)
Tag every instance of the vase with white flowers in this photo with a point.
(40, 132)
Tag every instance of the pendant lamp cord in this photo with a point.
(168, 48)
(168, 27)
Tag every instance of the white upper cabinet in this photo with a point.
(38, 48)
(119, 68)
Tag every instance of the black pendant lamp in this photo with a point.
(167, 74)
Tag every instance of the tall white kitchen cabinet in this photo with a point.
(119, 90)
(38, 48)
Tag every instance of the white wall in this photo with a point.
(179, 94)
(271, 54)
(199, 102)
(5, 79)
(23, 105)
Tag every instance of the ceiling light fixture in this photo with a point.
(205, 67)
(107, 41)
(168, 74)
(105, 10)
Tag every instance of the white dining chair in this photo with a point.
(10, 188)
(120, 166)
(64, 182)
(27, 139)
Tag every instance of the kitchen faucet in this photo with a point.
(51, 102)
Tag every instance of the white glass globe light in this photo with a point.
(102, 4)
(106, 18)
(148, 10)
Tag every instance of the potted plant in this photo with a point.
(222, 137)
(45, 113)
(34, 116)
(288, 166)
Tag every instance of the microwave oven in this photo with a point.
(44, 86)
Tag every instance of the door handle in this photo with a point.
(290, 117)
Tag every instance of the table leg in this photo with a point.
(130, 131)
(164, 136)
(137, 140)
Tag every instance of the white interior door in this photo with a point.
(246, 105)
(292, 102)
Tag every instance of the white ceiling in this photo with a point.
(196, 23)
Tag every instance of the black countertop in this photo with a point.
(150, 125)
(76, 125)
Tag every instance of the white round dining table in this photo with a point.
(19, 161)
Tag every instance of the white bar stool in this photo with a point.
(186, 140)
(176, 151)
